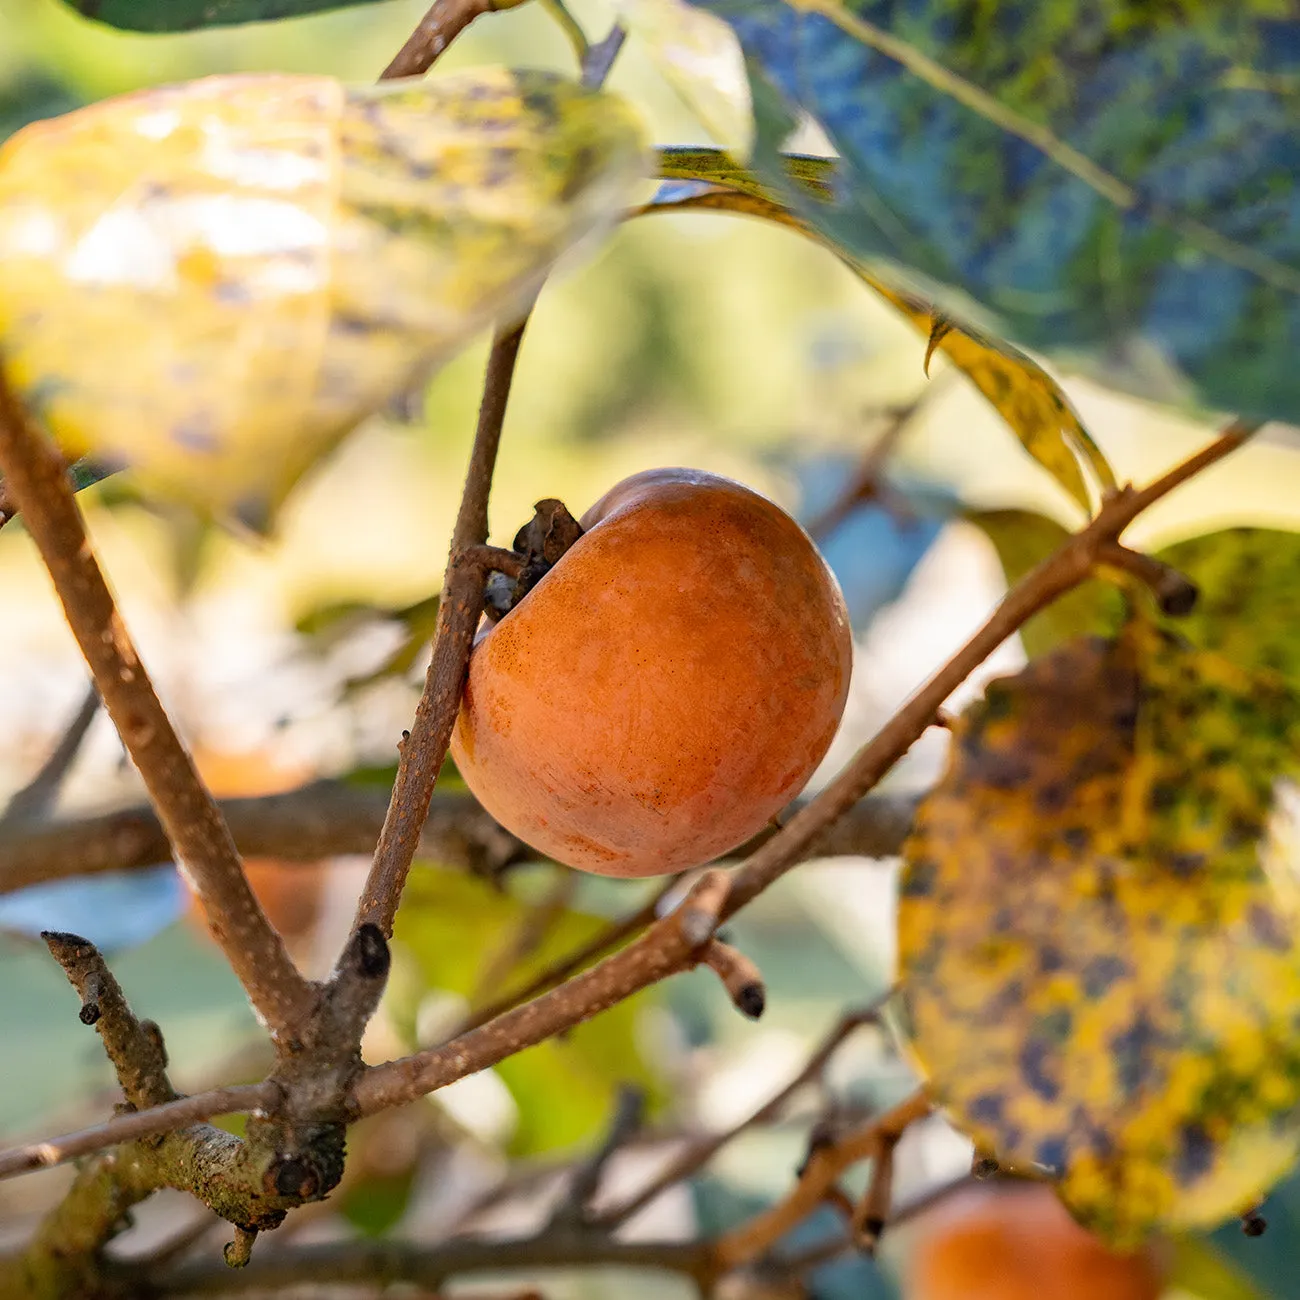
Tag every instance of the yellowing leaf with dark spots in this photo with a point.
(1249, 606)
(1021, 391)
(213, 282)
(1100, 930)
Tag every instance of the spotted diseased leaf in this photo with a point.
(1019, 389)
(1100, 930)
(213, 282)
(1247, 579)
(1117, 183)
(1249, 606)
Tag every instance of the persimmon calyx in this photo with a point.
(540, 544)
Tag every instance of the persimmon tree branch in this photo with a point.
(696, 1154)
(329, 818)
(459, 612)
(200, 840)
(824, 1165)
(235, 1099)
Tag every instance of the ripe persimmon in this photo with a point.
(666, 688)
(1018, 1242)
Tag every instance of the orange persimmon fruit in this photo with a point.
(666, 688)
(1018, 1242)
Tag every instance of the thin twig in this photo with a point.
(698, 1153)
(38, 796)
(237, 1099)
(599, 944)
(868, 481)
(340, 1263)
(584, 1183)
(35, 477)
(458, 617)
(319, 820)
(824, 1166)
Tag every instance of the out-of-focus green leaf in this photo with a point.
(327, 624)
(1024, 539)
(377, 1202)
(30, 99)
(1114, 183)
(186, 15)
(699, 56)
(453, 926)
(1020, 390)
(214, 282)
(1199, 1270)
(1099, 930)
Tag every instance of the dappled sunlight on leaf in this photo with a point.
(1098, 930)
(214, 282)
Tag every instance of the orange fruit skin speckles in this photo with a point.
(1019, 1243)
(667, 688)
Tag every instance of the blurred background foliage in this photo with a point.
(693, 339)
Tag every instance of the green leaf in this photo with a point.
(1024, 539)
(1248, 581)
(1100, 931)
(1199, 1270)
(699, 56)
(214, 282)
(1019, 389)
(1113, 183)
(453, 926)
(187, 15)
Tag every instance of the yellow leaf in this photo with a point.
(213, 282)
(1099, 931)
(1022, 392)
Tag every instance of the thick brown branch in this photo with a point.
(328, 818)
(323, 819)
(363, 1262)
(458, 618)
(34, 477)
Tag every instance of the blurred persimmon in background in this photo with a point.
(292, 893)
(1017, 1242)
